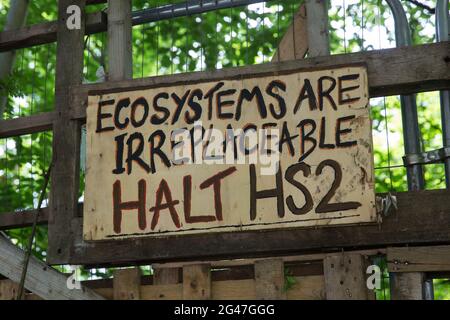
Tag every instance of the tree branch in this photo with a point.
(423, 6)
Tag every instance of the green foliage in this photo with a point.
(11, 86)
(441, 289)
(289, 280)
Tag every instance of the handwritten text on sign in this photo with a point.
(136, 186)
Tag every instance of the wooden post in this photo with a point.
(8, 290)
(406, 266)
(294, 43)
(15, 19)
(66, 136)
(119, 40)
(166, 275)
(318, 31)
(345, 277)
(197, 282)
(127, 284)
(407, 286)
(269, 279)
(165, 279)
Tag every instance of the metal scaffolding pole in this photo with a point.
(411, 138)
(411, 133)
(185, 9)
(442, 34)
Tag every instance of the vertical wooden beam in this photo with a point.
(127, 284)
(119, 40)
(407, 286)
(345, 277)
(8, 290)
(15, 19)
(318, 31)
(269, 279)
(166, 275)
(197, 282)
(294, 43)
(66, 135)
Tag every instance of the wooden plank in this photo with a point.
(166, 285)
(234, 289)
(41, 279)
(390, 72)
(345, 277)
(21, 219)
(294, 43)
(313, 257)
(307, 288)
(423, 215)
(26, 125)
(197, 282)
(223, 272)
(415, 259)
(106, 293)
(8, 290)
(66, 136)
(32, 297)
(43, 33)
(269, 277)
(317, 28)
(127, 284)
(162, 292)
(407, 286)
(166, 275)
(304, 288)
(119, 40)
(25, 218)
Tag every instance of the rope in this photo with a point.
(32, 235)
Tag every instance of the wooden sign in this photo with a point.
(276, 151)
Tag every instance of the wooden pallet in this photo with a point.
(306, 277)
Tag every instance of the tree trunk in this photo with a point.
(16, 19)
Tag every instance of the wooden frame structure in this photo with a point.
(423, 217)
(311, 277)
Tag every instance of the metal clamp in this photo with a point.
(386, 204)
(433, 156)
